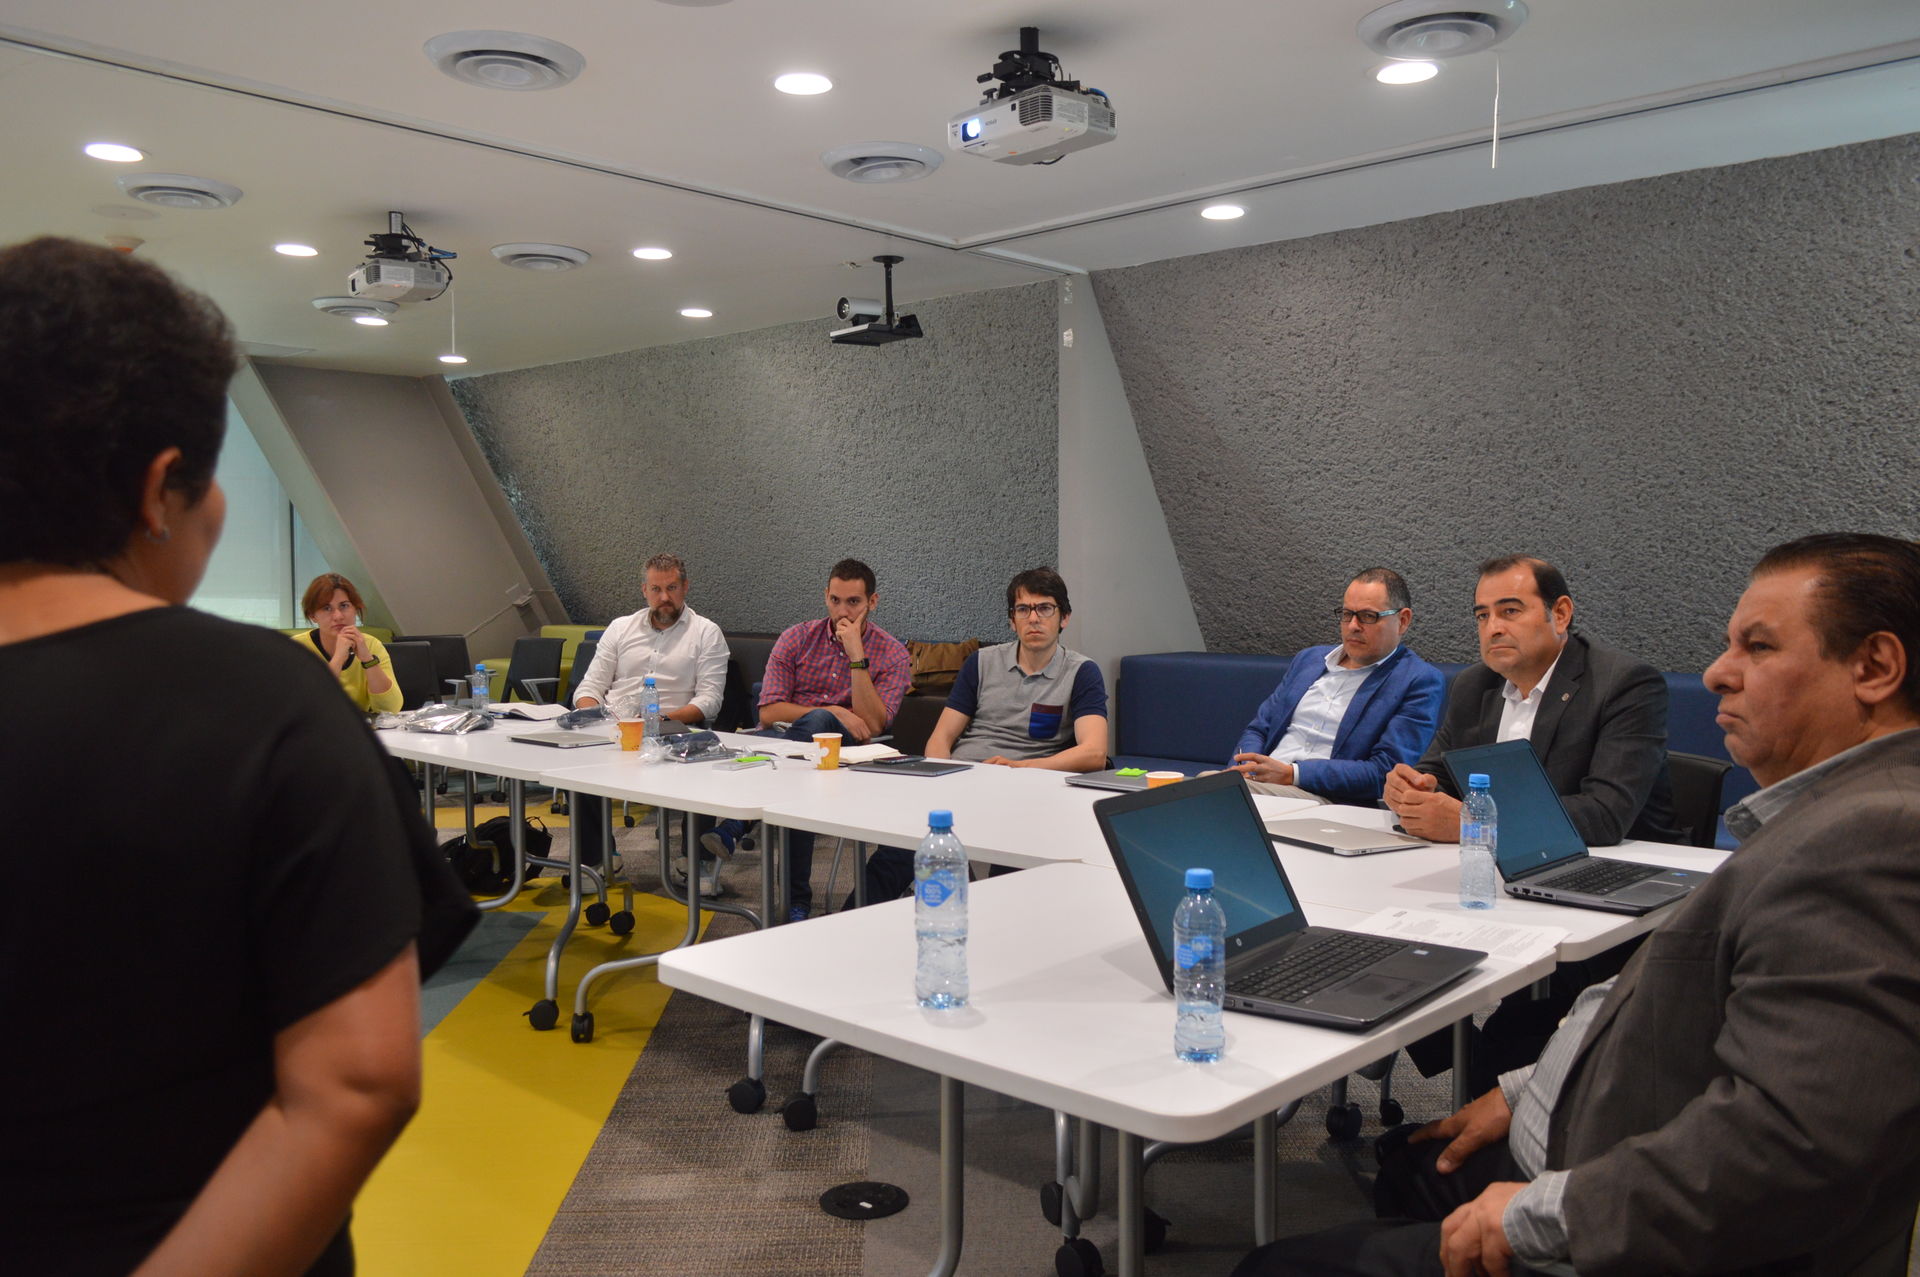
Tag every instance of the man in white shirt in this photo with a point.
(1346, 714)
(687, 656)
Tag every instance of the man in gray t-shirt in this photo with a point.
(1028, 703)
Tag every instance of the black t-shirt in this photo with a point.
(216, 850)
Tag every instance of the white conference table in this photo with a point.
(1074, 1018)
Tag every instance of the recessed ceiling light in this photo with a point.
(296, 250)
(114, 151)
(653, 254)
(802, 83)
(696, 312)
(1406, 72)
(1222, 212)
(453, 359)
(371, 321)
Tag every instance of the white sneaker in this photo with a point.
(711, 887)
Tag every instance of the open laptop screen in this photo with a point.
(1535, 829)
(1158, 834)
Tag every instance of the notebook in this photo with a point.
(1123, 779)
(1277, 965)
(1341, 840)
(908, 765)
(1541, 855)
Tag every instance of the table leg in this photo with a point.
(1461, 1085)
(953, 1171)
(1130, 1202)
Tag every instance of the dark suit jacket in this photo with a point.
(1748, 1097)
(1389, 720)
(1601, 733)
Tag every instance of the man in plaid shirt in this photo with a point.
(840, 674)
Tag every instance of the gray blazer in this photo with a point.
(1601, 733)
(1747, 1100)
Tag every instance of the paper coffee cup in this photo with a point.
(829, 746)
(632, 732)
(1157, 779)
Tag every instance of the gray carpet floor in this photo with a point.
(679, 1183)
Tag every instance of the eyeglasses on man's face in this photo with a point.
(1044, 611)
(1368, 618)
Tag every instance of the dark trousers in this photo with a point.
(1411, 1198)
(590, 816)
(890, 873)
(799, 841)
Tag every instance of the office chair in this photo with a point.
(1697, 784)
(450, 659)
(583, 654)
(413, 670)
(533, 672)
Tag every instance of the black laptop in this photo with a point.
(1541, 855)
(1277, 965)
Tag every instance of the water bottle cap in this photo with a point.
(1199, 880)
(647, 681)
(939, 820)
(1478, 780)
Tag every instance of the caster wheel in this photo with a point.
(582, 1028)
(800, 1112)
(747, 1095)
(1343, 1123)
(544, 1015)
(597, 914)
(1153, 1231)
(1051, 1195)
(1078, 1258)
(621, 923)
(629, 821)
(557, 808)
(1391, 1114)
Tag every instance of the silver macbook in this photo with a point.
(565, 739)
(1341, 840)
(1540, 853)
(1123, 779)
(1277, 965)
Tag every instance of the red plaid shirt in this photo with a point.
(809, 667)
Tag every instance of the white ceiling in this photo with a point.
(329, 114)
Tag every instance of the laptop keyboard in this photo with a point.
(1597, 877)
(1309, 968)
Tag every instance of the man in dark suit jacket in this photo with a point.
(1596, 717)
(1742, 1099)
(1345, 714)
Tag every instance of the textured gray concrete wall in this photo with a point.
(763, 457)
(1648, 383)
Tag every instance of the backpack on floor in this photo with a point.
(484, 863)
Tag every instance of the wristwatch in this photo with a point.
(367, 665)
(857, 665)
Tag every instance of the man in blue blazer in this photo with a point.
(1346, 714)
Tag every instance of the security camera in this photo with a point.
(873, 323)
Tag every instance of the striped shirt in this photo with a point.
(809, 667)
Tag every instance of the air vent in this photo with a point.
(541, 256)
(178, 190)
(1037, 109)
(1431, 29)
(508, 60)
(354, 307)
(872, 162)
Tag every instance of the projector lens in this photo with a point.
(970, 130)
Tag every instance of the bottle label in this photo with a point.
(934, 890)
(1195, 951)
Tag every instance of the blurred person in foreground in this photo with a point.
(205, 1094)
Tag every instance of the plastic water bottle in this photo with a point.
(652, 744)
(940, 916)
(1199, 972)
(1479, 838)
(477, 685)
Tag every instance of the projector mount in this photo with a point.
(1025, 68)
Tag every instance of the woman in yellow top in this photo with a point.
(358, 660)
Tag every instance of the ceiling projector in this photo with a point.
(1033, 116)
(402, 267)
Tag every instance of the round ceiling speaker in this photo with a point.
(507, 60)
(1439, 29)
(541, 256)
(873, 162)
(178, 190)
(354, 307)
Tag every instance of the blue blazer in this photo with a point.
(1390, 720)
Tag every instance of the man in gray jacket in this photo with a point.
(1743, 1097)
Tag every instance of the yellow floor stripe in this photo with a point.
(509, 1114)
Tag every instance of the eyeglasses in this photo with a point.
(1343, 615)
(1042, 610)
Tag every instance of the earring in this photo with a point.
(161, 537)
